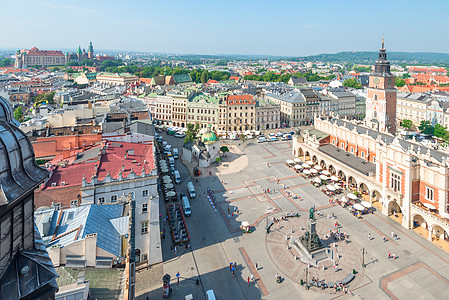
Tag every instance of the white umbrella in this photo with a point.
(366, 204)
(324, 177)
(307, 172)
(319, 168)
(344, 199)
(297, 160)
(167, 181)
(429, 206)
(352, 196)
(334, 178)
(171, 194)
(313, 171)
(297, 167)
(317, 180)
(337, 187)
(169, 186)
(330, 187)
(166, 177)
(309, 162)
(359, 206)
(325, 172)
(304, 165)
(290, 162)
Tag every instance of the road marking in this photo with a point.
(253, 270)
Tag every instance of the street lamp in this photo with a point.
(307, 278)
(363, 258)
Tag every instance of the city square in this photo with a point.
(265, 187)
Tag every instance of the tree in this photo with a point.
(399, 82)
(204, 76)
(243, 138)
(192, 132)
(352, 83)
(6, 62)
(440, 131)
(406, 75)
(18, 113)
(426, 127)
(407, 124)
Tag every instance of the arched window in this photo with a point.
(375, 97)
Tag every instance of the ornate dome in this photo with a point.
(209, 136)
(19, 172)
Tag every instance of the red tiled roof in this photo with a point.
(114, 159)
(71, 175)
(63, 195)
(240, 99)
(212, 81)
(36, 52)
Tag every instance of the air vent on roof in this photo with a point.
(53, 184)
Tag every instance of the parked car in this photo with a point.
(179, 134)
(272, 139)
(279, 134)
(261, 139)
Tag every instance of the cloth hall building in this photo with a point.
(402, 178)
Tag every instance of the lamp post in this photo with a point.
(363, 258)
(307, 278)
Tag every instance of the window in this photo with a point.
(362, 154)
(144, 208)
(101, 200)
(145, 193)
(429, 193)
(395, 182)
(113, 198)
(144, 227)
(352, 149)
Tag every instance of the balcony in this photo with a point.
(431, 215)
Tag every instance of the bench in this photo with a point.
(344, 281)
(348, 279)
(270, 223)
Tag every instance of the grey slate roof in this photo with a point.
(349, 159)
(387, 138)
(293, 97)
(92, 219)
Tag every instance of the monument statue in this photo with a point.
(311, 214)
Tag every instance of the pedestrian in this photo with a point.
(395, 236)
(175, 250)
(389, 255)
(257, 266)
(235, 208)
(268, 191)
(177, 276)
(229, 216)
(392, 234)
(369, 236)
(248, 280)
(252, 278)
(384, 238)
(229, 209)
(232, 215)
(394, 256)
(230, 266)
(235, 265)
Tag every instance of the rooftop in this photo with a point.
(349, 159)
(240, 99)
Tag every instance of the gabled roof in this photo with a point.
(240, 99)
(182, 78)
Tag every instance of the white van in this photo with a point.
(171, 160)
(191, 189)
(186, 204)
(261, 139)
(177, 177)
(210, 295)
(175, 153)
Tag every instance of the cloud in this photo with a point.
(70, 8)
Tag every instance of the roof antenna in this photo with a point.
(383, 42)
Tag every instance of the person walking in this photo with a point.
(394, 256)
(369, 236)
(252, 278)
(257, 266)
(177, 276)
(389, 255)
(248, 280)
(230, 266)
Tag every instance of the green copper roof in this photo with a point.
(209, 137)
(181, 78)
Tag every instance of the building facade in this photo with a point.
(117, 78)
(412, 107)
(34, 56)
(241, 112)
(268, 115)
(203, 109)
(163, 113)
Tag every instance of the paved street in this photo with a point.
(420, 269)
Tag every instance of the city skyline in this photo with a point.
(236, 29)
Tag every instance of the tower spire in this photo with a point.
(383, 43)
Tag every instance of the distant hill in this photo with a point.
(369, 57)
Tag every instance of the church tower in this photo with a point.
(381, 97)
(90, 51)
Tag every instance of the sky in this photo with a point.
(285, 28)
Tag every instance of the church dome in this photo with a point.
(209, 136)
(19, 172)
